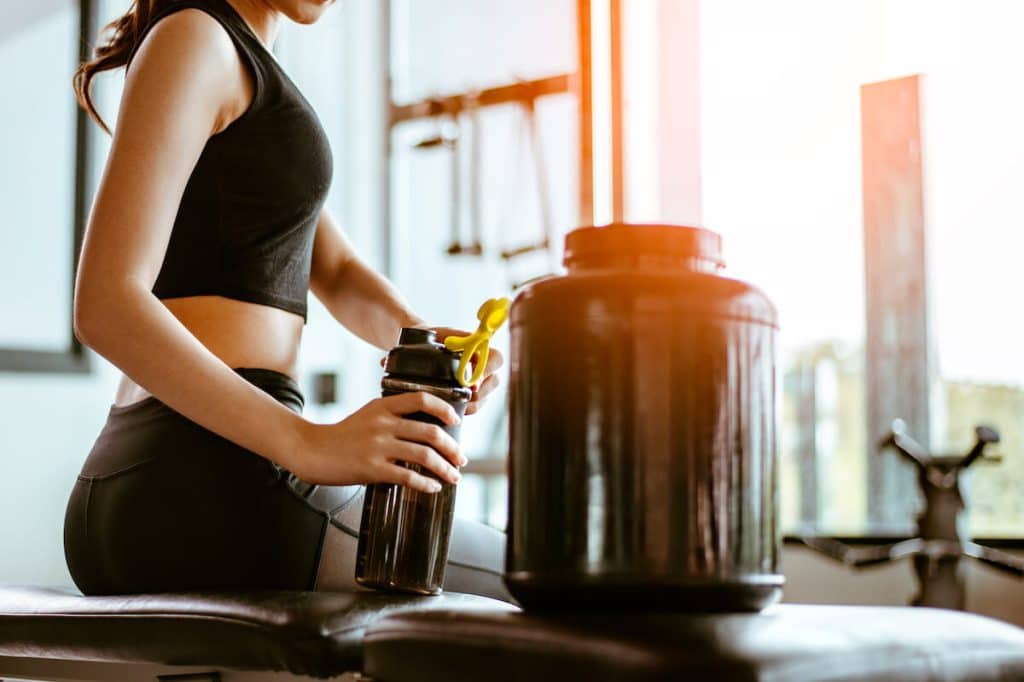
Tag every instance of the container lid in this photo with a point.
(629, 242)
(419, 355)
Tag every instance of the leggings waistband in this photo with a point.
(277, 384)
(280, 386)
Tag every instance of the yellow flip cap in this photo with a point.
(492, 314)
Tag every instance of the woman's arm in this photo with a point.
(362, 300)
(182, 87)
(369, 305)
(186, 83)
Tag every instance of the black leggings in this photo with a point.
(165, 505)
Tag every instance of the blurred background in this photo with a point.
(464, 136)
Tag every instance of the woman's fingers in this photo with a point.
(434, 436)
(427, 457)
(495, 361)
(419, 401)
(487, 387)
(395, 473)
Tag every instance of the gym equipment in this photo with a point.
(528, 130)
(447, 137)
(941, 539)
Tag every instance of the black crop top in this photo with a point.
(246, 221)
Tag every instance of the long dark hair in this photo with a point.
(124, 34)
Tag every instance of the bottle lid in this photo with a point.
(412, 336)
(419, 355)
(622, 244)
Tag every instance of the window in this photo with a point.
(782, 182)
(38, 195)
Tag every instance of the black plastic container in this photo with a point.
(642, 420)
(404, 534)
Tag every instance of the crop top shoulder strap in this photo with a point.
(245, 225)
(246, 42)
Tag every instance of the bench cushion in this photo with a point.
(309, 633)
(790, 643)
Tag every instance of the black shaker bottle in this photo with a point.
(404, 533)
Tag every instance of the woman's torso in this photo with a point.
(236, 271)
(241, 334)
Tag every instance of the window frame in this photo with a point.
(74, 359)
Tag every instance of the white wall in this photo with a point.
(50, 423)
(47, 422)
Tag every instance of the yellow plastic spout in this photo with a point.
(492, 314)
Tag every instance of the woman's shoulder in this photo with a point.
(190, 36)
(189, 56)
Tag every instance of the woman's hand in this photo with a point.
(488, 381)
(367, 446)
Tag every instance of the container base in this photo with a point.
(592, 593)
(391, 587)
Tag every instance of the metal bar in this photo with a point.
(541, 174)
(455, 191)
(584, 87)
(455, 104)
(617, 113)
(475, 176)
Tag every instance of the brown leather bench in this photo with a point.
(786, 643)
(48, 634)
(52, 634)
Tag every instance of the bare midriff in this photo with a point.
(241, 334)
